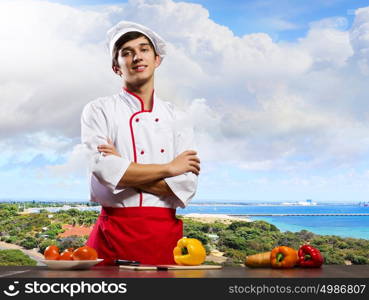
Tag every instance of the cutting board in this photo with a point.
(170, 267)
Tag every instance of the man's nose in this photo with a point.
(137, 57)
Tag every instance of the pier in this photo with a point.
(299, 215)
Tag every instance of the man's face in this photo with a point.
(137, 61)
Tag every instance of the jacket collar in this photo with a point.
(136, 101)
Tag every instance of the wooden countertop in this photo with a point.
(327, 271)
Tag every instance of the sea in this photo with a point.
(343, 226)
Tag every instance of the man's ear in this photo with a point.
(116, 70)
(157, 61)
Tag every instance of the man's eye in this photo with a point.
(144, 49)
(126, 53)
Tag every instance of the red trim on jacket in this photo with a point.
(141, 101)
(131, 128)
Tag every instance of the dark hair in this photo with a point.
(129, 36)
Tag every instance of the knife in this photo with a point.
(125, 262)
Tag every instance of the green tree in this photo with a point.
(195, 234)
(53, 230)
(45, 243)
(29, 242)
(71, 242)
(8, 210)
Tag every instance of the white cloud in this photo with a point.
(52, 63)
(328, 43)
(20, 150)
(359, 37)
(278, 23)
(338, 23)
(75, 167)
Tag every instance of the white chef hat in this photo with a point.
(123, 27)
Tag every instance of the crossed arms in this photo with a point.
(149, 177)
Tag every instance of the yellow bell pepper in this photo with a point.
(189, 252)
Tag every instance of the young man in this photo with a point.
(142, 165)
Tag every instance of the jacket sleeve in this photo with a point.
(183, 186)
(95, 131)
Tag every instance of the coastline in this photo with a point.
(340, 220)
(211, 218)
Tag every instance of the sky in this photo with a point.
(277, 91)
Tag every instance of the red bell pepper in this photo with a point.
(310, 257)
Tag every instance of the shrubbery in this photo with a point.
(45, 243)
(71, 242)
(76, 217)
(29, 242)
(15, 258)
(53, 230)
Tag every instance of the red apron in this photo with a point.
(144, 234)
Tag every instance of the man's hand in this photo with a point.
(158, 187)
(185, 162)
(108, 149)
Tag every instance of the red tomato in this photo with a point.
(85, 253)
(66, 255)
(52, 252)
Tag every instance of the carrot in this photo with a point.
(260, 260)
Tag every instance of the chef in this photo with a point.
(142, 159)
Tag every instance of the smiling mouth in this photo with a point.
(139, 68)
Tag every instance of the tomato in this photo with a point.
(52, 252)
(85, 253)
(67, 254)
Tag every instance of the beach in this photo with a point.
(211, 218)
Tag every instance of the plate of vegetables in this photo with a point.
(80, 258)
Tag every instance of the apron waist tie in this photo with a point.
(143, 211)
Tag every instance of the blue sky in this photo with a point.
(277, 89)
(250, 16)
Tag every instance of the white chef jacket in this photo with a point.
(142, 136)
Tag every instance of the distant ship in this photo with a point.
(308, 202)
(364, 204)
